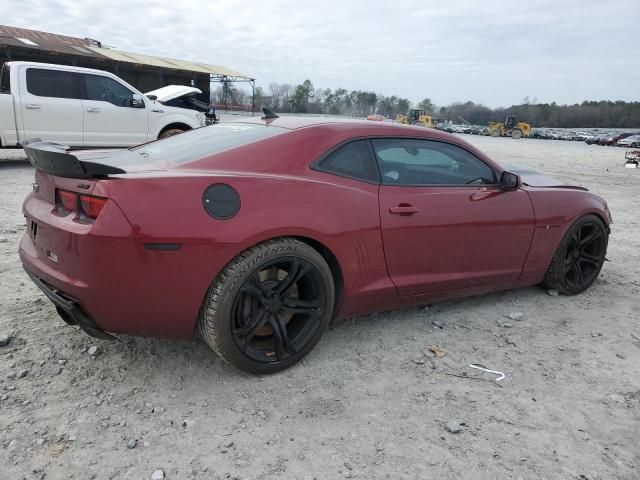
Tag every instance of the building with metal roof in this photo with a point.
(144, 72)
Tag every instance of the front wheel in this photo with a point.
(269, 307)
(579, 257)
(170, 133)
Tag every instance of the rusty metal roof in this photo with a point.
(51, 42)
(33, 39)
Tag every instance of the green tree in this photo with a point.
(301, 95)
(426, 105)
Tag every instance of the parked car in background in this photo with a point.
(82, 107)
(583, 136)
(632, 141)
(541, 133)
(171, 237)
(612, 139)
(595, 139)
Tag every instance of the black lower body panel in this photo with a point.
(70, 310)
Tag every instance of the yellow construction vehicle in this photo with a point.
(510, 128)
(417, 117)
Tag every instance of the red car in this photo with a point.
(258, 232)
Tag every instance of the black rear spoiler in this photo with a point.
(54, 158)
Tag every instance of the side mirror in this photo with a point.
(509, 181)
(152, 97)
(137, 101)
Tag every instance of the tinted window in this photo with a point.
(106, 89)
(5, 79)
(52, 83)
(196, 144)
(425, 162)
(351, 160)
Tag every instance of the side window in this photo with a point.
(5, 79)
(351, 160)
(52, 83)
(106, 89)
(426, 162)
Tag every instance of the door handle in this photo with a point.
(156, 110)
(403, 209)
(32, 106)
(93, 109)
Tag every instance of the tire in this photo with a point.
(517, 133)
(494, 132)
(170, 133)
(634, 145)
(570, 272)
(253, 327)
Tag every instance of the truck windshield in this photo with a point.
(5, 79)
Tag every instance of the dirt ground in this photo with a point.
(368, 402)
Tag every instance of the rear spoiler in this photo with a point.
(54, 158)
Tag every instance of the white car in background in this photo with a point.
(82, 107)
(633, 141)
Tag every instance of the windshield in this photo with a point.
(197, 144)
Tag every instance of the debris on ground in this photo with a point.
(485, 369)
(439, 351)
(553, 292)
(516, 316)
(453, 426)
(437, 323)
(4, 340)
(93, 351)
(158, 475)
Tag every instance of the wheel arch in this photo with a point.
(178, 125)
(334, 266)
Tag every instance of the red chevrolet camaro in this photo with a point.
(259, 231)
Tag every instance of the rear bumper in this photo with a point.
(69, 309)
(104, 278)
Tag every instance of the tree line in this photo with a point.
(305, 98)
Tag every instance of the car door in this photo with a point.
(110, 119)
(445, 223)
(50, 106)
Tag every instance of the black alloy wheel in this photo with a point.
(269, 307)
(579, 257)
(278, 309)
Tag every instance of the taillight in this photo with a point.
(68, 201)
(91, 206)
(88, 207)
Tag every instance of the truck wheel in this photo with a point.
(494, 132)
(516, 134)
(170, 133)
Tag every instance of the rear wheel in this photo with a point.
(516, 134)
(269, 307)
(634, 145)
(579, 257)
(170, 133)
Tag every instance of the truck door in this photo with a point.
(111, 117)
(50, 106)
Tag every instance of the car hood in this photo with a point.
(172, 92)
(531, 178)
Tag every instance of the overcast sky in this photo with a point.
(491, 52)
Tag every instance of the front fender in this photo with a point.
(556, 209)
(189, 118)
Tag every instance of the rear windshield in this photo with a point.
(196, 144)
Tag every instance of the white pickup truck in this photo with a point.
(82, 107)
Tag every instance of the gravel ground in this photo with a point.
(369, 402)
